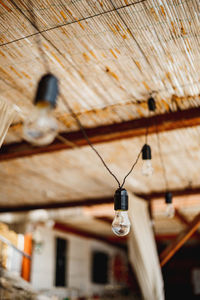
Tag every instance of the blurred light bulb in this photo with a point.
(170, 210)
(41, 128)
(121, 224)
(38, 241)
(147, 169)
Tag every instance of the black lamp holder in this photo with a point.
(47, 90)
(121, 199)
(146, 152)
(151, 104)
(168, 197)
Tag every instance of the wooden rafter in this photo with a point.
(181, 217)
(57, 205)
(108, 133)
(175, 193)
(86, 234)
(167, 237)
(93, 201)
(104, 219)
(169, 252)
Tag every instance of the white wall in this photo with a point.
(78, 262)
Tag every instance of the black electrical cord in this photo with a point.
(147, 129)
(33, 22)
(95, 150)
(69, 23)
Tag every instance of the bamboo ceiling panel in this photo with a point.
(109, 56)
(79, 174)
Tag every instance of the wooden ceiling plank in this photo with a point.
(182, 238)
(102, 134)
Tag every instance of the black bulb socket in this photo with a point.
(151, 104)
(146, 152)
(121, 199)
(47, 90)
(168, 197)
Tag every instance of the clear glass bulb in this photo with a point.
(41, 128)
(170, 210)
(147, 169)
(121, 224)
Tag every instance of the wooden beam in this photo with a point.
(93, 201)
(184, 221)
(105, 219)
(169, 252)
(117, 242)
(167, 237)
(181, 217)
(57, 205)
(175, 193)
(108, 133)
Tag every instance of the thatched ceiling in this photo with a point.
(109, 56)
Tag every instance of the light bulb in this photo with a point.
(121, 224)
(170, 210)
(41, 127)
(147, 169)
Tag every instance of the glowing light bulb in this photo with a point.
(147, 169)
(41, 127)
(121, 224)
(170, 210)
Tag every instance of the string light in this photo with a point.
(170, 210)
(121, 224)
(147, 169)
(41, 127)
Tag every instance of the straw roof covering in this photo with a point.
(109, 56)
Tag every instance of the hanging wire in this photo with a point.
(95, 150)
(69, 23)
(88, 140)
(147, 128)
(33, 22)
(134, 164)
